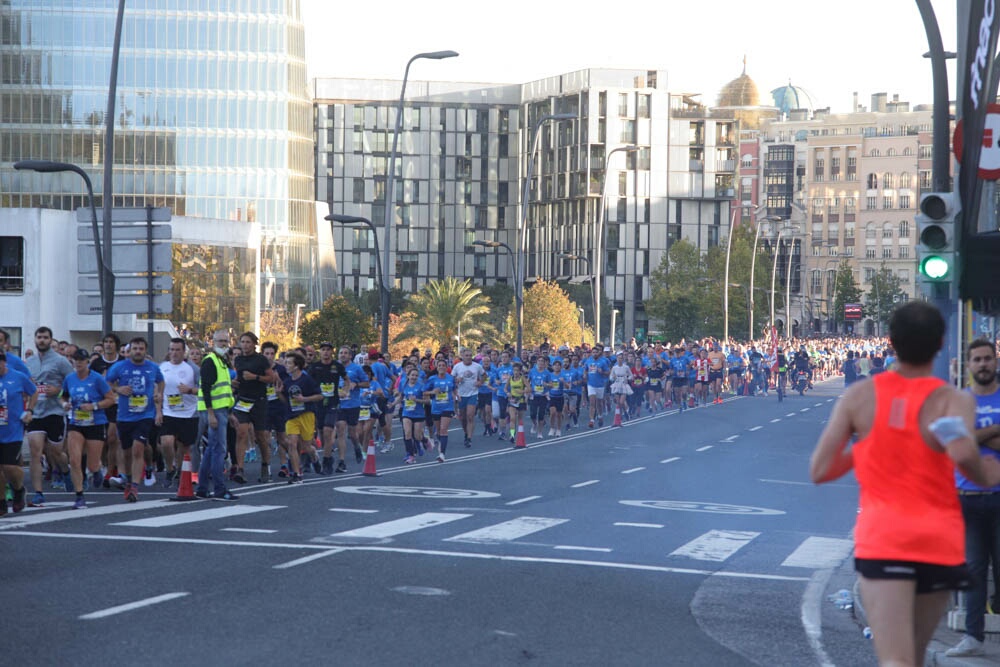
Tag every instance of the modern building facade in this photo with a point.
(464, 155)
(212, 120)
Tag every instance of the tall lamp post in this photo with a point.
(725, 292)
(583, 338)
(383, 288)
(753, 264)
(599, 241)
(523, 222)
(105, 276)
(593, 285)
(390, 199)
(298, 309)
(774, 268)
(506, 248)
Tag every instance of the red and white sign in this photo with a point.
(989, 159)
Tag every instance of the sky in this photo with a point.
(830, 49)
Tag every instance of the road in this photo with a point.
(679, 539)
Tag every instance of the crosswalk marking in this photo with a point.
(715, 545)
(400, 526)
(20, 520)
(508, 530)
(199, 515)
(819, 552)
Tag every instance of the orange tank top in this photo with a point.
(909, 507)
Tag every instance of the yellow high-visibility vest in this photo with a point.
(222, 390)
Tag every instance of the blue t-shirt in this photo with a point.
(679, 366)
(442, 393)
(576, 384)
(90, 389)
(143, 379)
(487, 386)
(383, 374)
(539, 381)
(15, 387)
(596, 370)
(412, 407)
(689, 359)
(987, 414)
(296, 390)
(563, 382)
(14, 363)
(734, 361)
(503, 374)
(356, 374)
(368, 394)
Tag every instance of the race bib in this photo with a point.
(175, 400)
(344, 392)
(539, 389)
(3, 415)
(410, 404)
(243, 405)
(272, 395)
(365, 413)
(138, 403)
(654, 380)
(83, 417)
(442, 397)
(297, 404)
(327, 389)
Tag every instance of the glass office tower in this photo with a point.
(213, 117)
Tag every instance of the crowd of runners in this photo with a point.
(109, 417)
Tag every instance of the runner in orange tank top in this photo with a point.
(912, 430)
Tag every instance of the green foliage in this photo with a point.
(679, 293)
(845, 290)
(369, 301)
(581, 294)
(884, 295)
(442, 308)
(549, 313)
(339, 322)
(501, 300)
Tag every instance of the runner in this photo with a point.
(558, 385)
(298, 390)
(329, 373)
(350, 387)
(716, 372)
(85, 395)
(468, 376)
(502, 380)
(539, 380)
(253, 374)
(277, 412)
(597, 369)
(679, 364)
(654, 388)
(517, 387)
(621, 376)
(412, 396)
(386, 375)
(369, 411)
(180, 410)
(47, 427)
(16, 410)
(485, 399)
(574, 373)
(701, 369)
(735, 363)
(441, 390)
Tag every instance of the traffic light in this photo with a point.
(936, 236)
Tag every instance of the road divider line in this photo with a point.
(638, 525)
(776, 420)
(47, 517)
(261, 531)
(507, 531)
(671, 459)
(131, 606)
(804, 410)
(790, 414)
(307, 559)
(755, 428)
(526, 499)
(352, 510)
(730, 438)
(198, 515)
(817, 405)
(632, 470)
(565, 547)
(583, 484)
(701, 449)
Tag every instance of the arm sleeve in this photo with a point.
(208, 374)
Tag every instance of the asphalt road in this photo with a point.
(679, 539)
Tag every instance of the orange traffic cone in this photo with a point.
(618, 416)
(185, 491)
(369, 470)
(520, 443)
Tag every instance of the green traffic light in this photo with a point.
(934, 267)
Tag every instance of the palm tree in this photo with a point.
(442, 308)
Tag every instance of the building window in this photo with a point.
(479, 265)
(888, 181)
(11, 264)
(887, 201)
(904, 252)
(628, 131)
(643, 159)
(872, 181)
(904, 229)
(623, 105)
(642, 106)
(904, 277)
(848, 251)
(359, 190)
(871, 203)
(904, 201)
(869, 275)
(869, 253)
(886, 253)
(887, 231)
(407, 264)
(362, 239)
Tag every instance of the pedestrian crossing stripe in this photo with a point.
(198, 515)
(715, 545)
(401, 526)
(508, 530)
(818, 553)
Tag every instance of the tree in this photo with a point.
(369, 301)
(679, 292)
(581, 295)
(883, 296)
(338, 322)
(501, 298)
(443, 308)
(845, 290)
(549, 313)
(400, 348)
(278, 326)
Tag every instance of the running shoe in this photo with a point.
(96, 480)
(37, 500)
(265, 474)
(202, 494)
(552, 432)
(225, 497)
(238, 477)
(600, 421)
(440, 458)
(283, 471)
(429, 445)
(359, 456)
(80, 504)
(342, 466)
(409, 459)
(118, 481)
(317, 467)
(540, 436)
(131, 493)
(17, 502)
(295, 479)
(150, 478)
(468, 443)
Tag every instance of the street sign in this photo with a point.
(161, 232)
(131, 304)
(130, 258)
(989, 158)
(126, 284)
(853, 311)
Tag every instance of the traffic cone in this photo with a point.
(369, 470)
(618, 416)
(519, 442)
(185, 491)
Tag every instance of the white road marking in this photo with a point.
(799, 483)
(307, 559)
(775, 421)
(508, 530)
(819, 552)
(526, 499)
(582, 484)
(188, 542)
(400, 526)
(352, 511)
(804, 410)
(262, 531)
(199, 515)
(790, 414)
(638, 525)
(565, 547)
(138, 604)
(817, 405)
(755, 428)
(701, 449)
(829, 400)
(730, 438)
(811, 614)
(20, 520)
(715, 545)
(671, 459)
(632, 470)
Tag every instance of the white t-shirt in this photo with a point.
(176, 404)
(466, 376)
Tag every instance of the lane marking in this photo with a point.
(671, 459)
(186, 541)
(798, 483)
(400, 526)
(138, 604)
(730, 438)
(701, 449)
(755, 428)
(804, 410)
(565, 547)
(632, 470)
(262, 531)
(790, 414)
(829, 400)
(583, 484)
(819, 552)
(507, 530)
(198, 515)
(811, 614)
(715, 545)
(523, 500)
(638, 525)
(48, 517)
(776, 420)
(307, 559)
(352, 511)
(817, 405)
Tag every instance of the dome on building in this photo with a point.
(740, 92)
(791, 97)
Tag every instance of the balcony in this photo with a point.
(725, 165)
(696, 165)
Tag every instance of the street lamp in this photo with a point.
(383, 288)
(593, 284)
(298, 309)
(774, 270)
(503, 246)
(390, 199)
(523, 223)
(614, 316)
(105, 276)
(583, 338)
(599, 241)
(725, 292)
(753, 264)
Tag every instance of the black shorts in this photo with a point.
(184, 429)
(383, 406)
(714, 375)
(54, 427)
(10, 453)
(557, 402)
(415, 420)
(679, 382)
(930, 578)
(437, 417)
(256, 415)
(349, 415)
(277, 415)
(503, 404)
(112, 414)
(92, 432)
(484, 400)
(137, 431)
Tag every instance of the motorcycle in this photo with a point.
(801, 382)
